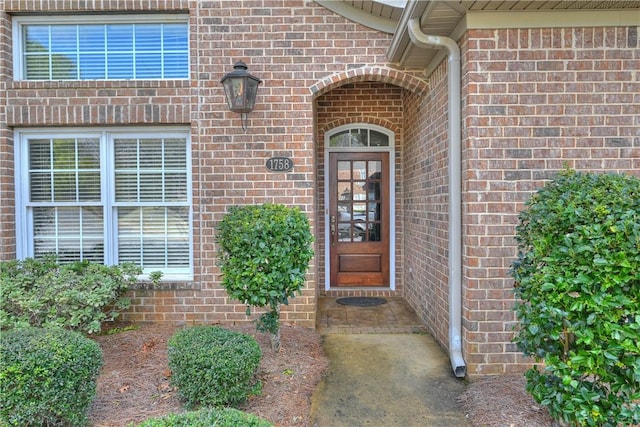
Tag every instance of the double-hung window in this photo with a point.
(101, 47)
(106, 195)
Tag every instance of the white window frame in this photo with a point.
(392, 194)
(19, 22)
(24, 215)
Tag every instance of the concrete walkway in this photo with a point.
(393, 317)
(385, 370)
(390, 380)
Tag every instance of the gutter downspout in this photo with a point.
(423, 40)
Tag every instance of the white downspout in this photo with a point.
(421, 39)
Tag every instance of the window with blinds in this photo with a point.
(150, 195)
(65, 198)
(70, 49)
(108, 197)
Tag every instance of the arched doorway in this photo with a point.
(361, 100)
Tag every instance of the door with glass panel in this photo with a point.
(359, 219)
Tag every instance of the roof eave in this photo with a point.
(400, 41)
(356, 15)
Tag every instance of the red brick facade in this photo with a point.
(534, 100)
(426, 204)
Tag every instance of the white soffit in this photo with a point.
(381, 15)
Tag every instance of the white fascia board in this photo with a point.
(552, 19)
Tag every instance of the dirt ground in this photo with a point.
(501, 401)
(134, 382)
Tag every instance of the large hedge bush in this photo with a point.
(264, 252)
(213, 366)
(578, 297)
(47, 377)
(43, 293)
(218, 417)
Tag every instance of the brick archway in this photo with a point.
(380, 74)
(368, 96)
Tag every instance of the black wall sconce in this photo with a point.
(241, 89)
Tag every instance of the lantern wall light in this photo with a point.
(241, 89)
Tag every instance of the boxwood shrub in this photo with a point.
(47, 377)
(578, 297)
(213, 366)
(219, 417)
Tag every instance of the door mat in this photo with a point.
(361, 301)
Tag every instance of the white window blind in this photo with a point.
(64, 179)
(152, 171)
(111, 198)
(97, 50)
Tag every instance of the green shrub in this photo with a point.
(578, 297)
(47, 377)
(221, 417)
(41, 293)
(264, 256)
(213, 366)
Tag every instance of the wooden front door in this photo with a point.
(359, 219)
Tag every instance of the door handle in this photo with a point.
(332, 227)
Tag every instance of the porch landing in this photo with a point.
(394, 317)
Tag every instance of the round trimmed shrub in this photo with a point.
(47, 377)
(578, 297)
(219, 417)
(264, 254)
(213, 366)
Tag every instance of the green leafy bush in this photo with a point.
(264, 256)
(42, 293)
(221, 417)
(213, 366)
(47, 377)
(578, 297)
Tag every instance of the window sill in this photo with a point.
(97, 84)
(170, 282)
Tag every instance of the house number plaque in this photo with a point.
(279, 164)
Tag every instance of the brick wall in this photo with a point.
(292, 45)
(426, 205)
(7, 210)
(534, 101)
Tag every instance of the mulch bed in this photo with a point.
(134, 383)
(502, 401)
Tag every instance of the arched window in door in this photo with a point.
(359, 138)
